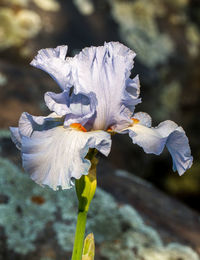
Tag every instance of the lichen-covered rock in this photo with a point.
(169, 100)
(146, 28)
(140, 30)
(21, 21)
(26, 208)
(16, 27)
(119, 231)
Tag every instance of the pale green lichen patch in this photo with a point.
(139, 27)
(4, 133)
(169, 100)
(26, 210)
(140, 30)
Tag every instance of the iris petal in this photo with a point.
(144, 118)
(153, 140)
(148, 138)
(105, 71)
(177, 144)
(54, 156)
(29, 123)
(132, 93)
(58, 103)
(54, 62)
(76, 108)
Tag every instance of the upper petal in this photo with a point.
(105, 70)
(153, 140)
(100, 73)
(54, 156)
(76, 108)
(54, 62)
(58, 103)
(132, 93)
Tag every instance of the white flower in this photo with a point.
(98, 97)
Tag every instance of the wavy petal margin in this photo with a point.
(54, 62)
(55, 156)
(153, 140)
(52, 154)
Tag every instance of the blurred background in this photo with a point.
(166, 37)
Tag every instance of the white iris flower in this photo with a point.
(98, 97)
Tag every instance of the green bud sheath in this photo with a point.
(89, 248)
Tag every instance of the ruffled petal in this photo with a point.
(153, 140)
(177, 144)
(105, 71)
(29, 123)
(100, 73)
(132, 93)
(54, 156)
(54, 62)
(76, 108)
(82, 110)
(58, 103)
(148, 138)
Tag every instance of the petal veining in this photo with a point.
(54, 62)
(54, 156)
(105, 71)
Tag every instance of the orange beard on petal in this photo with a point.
(78, 126)
(135, 120)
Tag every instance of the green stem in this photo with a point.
(79, 236)
(85, 190)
